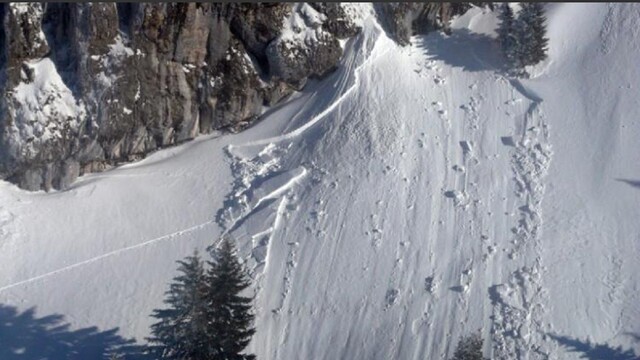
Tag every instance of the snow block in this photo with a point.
(467, 146)
(507, 140)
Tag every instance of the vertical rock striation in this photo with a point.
(91, 85)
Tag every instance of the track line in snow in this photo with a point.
(106, 255)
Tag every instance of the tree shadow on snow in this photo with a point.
(463, 48)
(635, 337)
(634, 183)
(595, 351)
(23, 336)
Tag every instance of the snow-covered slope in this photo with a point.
(413, 196)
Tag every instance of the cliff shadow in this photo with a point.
(463, 48)
(24, 336)
(58, 26)
(595, 351)
(3, 45)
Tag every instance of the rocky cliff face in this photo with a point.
(90, 85)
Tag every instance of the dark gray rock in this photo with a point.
(256, 25)
(137, 77)
(122, 80)
(338, 22)
(294, 63)
(405, 19)
(304, 52)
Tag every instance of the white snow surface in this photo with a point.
(413, 196)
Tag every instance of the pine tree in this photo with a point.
(506, 35)
(469, 348)
(531, 31)
(230, 313)
(538, 27)
(182, 330)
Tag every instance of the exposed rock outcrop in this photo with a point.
(402, 20)
(91, 85)
(304, 48)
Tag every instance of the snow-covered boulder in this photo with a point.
(304, 48)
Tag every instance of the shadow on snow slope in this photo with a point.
(463, 49)
(23, 336)
(595, 351)
(634, 183)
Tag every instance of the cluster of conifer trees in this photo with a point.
(523, 38)
(207, 317)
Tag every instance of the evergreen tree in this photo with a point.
(469, 348)
(507, 37)
(539, 30)
(182, 329)
(230, 313)
(531, 31)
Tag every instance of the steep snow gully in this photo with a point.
(413, 196)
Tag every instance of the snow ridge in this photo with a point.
(260, 179)
(330, 108)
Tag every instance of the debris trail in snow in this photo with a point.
(519, 303)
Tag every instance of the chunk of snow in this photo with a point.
(467, 146)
